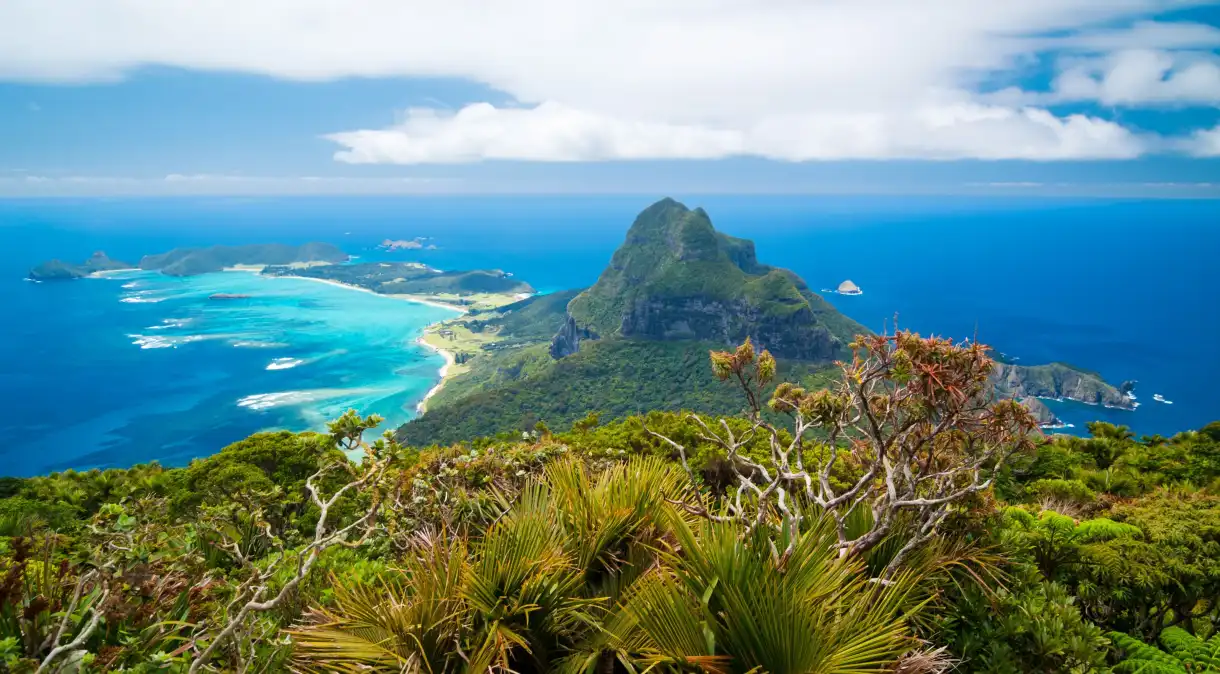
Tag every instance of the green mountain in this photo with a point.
(638, 339)
(192, 261)
(59, 270)
(677, 278)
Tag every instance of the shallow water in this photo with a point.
(151, 368)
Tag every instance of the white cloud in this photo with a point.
(554, 132)
(1137, 77)
(1140, 35)
(548, 132)
(1203, 143)
(625, 79)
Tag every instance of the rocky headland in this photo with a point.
(57, 270)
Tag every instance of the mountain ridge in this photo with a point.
(676, 278)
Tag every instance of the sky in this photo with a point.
(166, 97)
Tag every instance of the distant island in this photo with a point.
(406, 244)
(193, 261)
(477, 289)
(57, 270)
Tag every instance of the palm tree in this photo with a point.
(602, 573)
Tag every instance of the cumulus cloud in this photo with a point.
(633, 79)
(548, 132)
(554, 132)
(1137, 77)
(1204, 143)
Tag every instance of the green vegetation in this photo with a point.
(513, 390)
(192, 261)
(1184, 652)
(533, 320)
(1060, 381)
(888, 513)
(784, 538)
(676, 278)
(407, 278)
(55, 270)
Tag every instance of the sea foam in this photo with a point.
(284, 363)
(264, 401)
(255, 344)
(164, 341)
(170, 323)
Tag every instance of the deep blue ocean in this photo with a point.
(136, 367)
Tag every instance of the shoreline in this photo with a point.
(449, 356)
(107, 272)
(339, 284)
(450, 361)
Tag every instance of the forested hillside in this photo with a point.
(674, 289)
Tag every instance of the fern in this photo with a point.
(1187, 654)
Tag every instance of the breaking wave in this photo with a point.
(284, 363)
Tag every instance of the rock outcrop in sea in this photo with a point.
(849, 288)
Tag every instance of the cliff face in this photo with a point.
(677, 278)
(567, 341)
(1057, 380)
(795, 334)
(1040, 411)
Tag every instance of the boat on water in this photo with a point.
(1161, 399)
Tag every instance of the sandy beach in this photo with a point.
(107, 272)
(406, 298)
(444, 372)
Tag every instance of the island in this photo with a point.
(57, 270)
(193, 261)
(638, 339)
(849, 288)
(406, 244)
(479, 289)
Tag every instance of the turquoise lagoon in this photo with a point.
(184, 373)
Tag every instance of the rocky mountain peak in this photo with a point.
(676, 278)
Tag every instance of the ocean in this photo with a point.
(137, 367)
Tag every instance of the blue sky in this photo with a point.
(377, 96)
